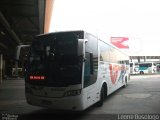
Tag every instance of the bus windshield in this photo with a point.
(56, 58)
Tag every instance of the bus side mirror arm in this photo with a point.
(18, 50)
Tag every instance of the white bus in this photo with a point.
(158, 67)
(147, 68)
(134, 68)
(73, 70)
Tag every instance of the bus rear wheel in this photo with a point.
(141, 72)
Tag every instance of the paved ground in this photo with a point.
(142, 96)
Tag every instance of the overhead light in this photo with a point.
(2, 33)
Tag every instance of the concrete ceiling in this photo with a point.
(20, 21)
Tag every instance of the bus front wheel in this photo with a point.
(103, 95)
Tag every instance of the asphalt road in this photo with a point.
(140, 99)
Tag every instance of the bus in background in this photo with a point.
(73, 70)
(134, 69)
(158, 67)
(147, 68)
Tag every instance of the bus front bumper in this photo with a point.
(73, 103)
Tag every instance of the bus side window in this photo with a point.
(87, 69)
(89, 64)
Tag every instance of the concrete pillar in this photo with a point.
(1, 67)
(130, 58)
(145, 58)
(139, 59)
(4, 68)
(48, 15)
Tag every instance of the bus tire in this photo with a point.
(103, 95)
(141, 72)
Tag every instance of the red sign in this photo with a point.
(36, 77)
(120, 42)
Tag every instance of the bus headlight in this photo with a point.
(72, 93)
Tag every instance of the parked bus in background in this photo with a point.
(134, 69)
(147, 68)
(73, 70)
(158, 67)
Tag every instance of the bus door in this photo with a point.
(90, 69)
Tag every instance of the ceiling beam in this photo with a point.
(17, 3)
(8, 28)
(3, 46)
